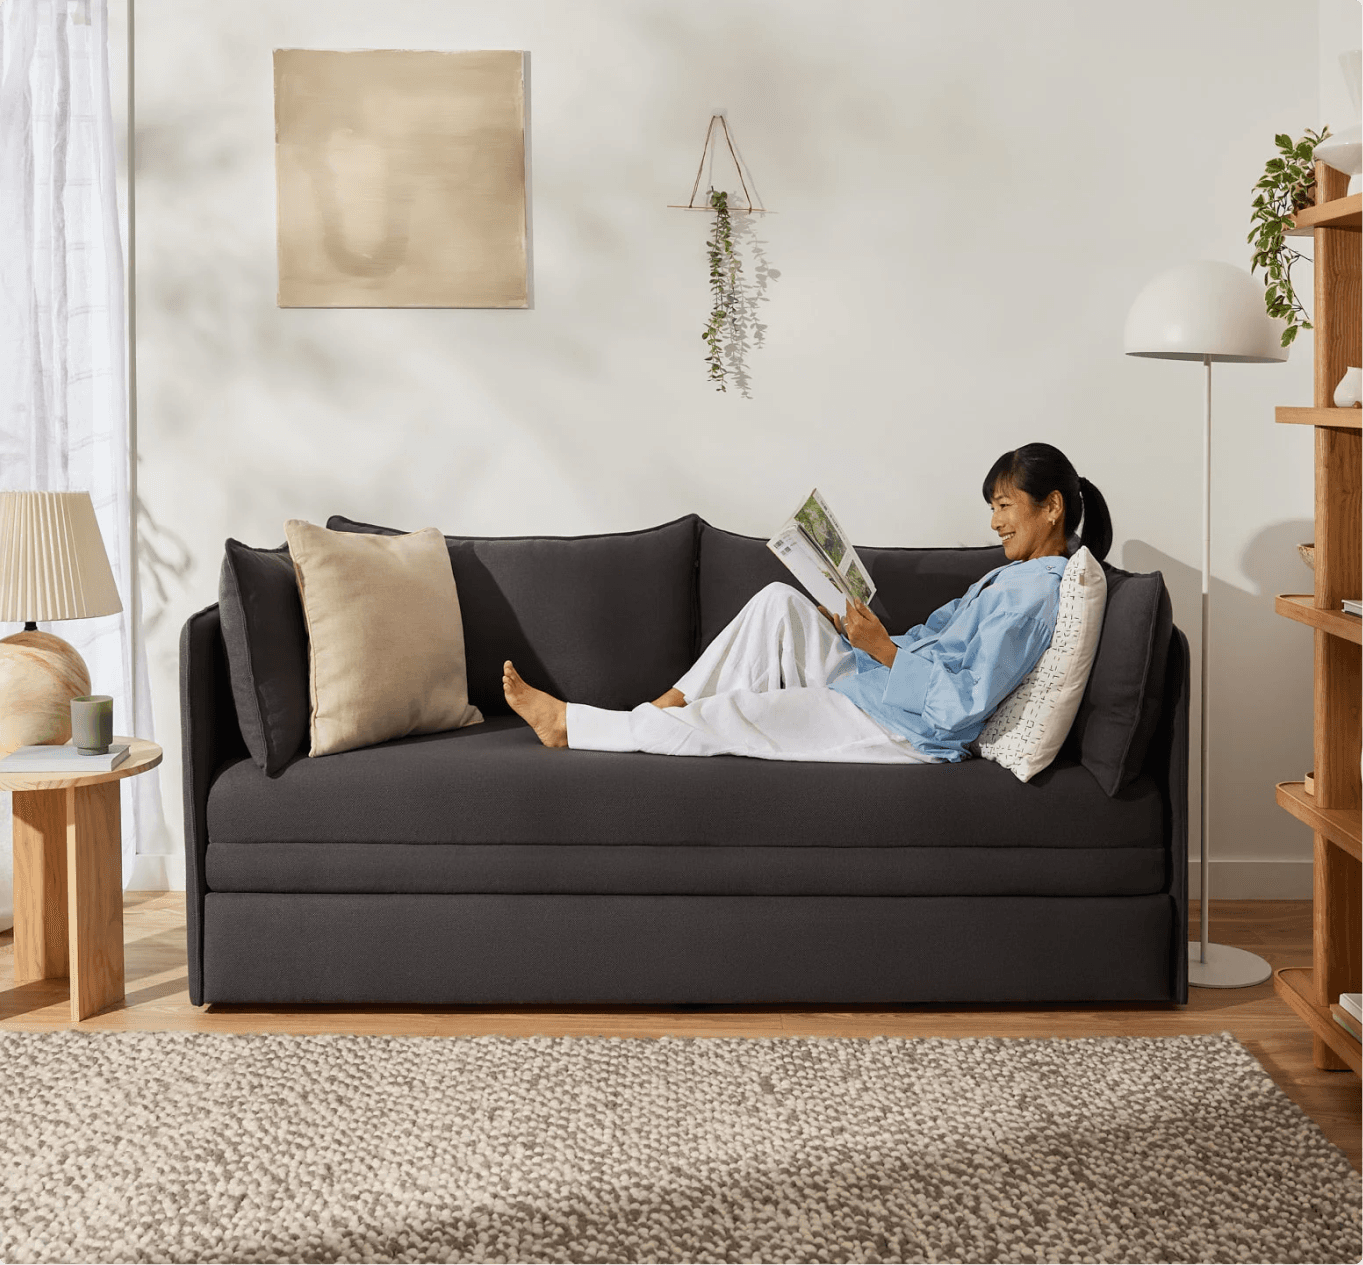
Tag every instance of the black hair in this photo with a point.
(1040, 469)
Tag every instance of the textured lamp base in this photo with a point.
(1225, 967)
(39, 676)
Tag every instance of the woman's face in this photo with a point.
(1027, 529)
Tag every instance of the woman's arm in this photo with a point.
(955, 687)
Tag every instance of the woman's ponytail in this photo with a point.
(1040, 469)
(1097, 533)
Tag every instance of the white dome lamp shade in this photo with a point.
(1204, 311)
(1207, 311)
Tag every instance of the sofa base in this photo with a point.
(493, 950)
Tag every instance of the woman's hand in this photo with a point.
(864, 631)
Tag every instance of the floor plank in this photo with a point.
(157, 999)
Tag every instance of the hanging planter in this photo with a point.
(732, 328)
(724, 269)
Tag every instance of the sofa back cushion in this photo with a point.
(266, 639)
(910, 583)
(1121, 706)
(604, 620)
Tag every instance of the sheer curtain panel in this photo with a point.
(63, 371)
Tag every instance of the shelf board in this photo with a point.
(1295, 986)
(1344, 213)
(1341, 826)
(1302, 607)
(1343, 418)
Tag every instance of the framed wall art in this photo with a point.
(400, 178)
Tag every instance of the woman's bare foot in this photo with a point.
(545, 714)
(673, 698)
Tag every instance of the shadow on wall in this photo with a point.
(747, 332)
(1263, 661)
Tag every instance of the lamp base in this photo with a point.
(1225, 967)
(39, 676)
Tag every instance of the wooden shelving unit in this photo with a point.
(1338, 212)
(1348, 417)
(1335, 811)
(1296, 986)
(1341, 825)
(1302, 607)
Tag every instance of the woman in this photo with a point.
(788, 680)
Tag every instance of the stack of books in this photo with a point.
(1349, 1013)
(1353, 606)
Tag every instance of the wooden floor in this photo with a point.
(154, 934)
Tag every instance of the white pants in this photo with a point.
(761, 689)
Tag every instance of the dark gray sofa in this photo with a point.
(476, 867)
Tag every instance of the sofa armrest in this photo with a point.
(1167, 763)
(209, 737)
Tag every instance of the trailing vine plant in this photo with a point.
(724, 290)
(1288, 185)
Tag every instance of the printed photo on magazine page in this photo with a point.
(818, 553)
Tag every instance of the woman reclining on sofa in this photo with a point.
(788, 680)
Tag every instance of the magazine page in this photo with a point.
(820, 579)
(822, 527)
(813, 545)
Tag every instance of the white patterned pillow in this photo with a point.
(1033, 721)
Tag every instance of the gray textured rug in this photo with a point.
(175, 1146)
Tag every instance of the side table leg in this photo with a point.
(94, 874)
(39, 885)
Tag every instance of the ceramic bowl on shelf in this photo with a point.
(1308, 554)
(1343, 151)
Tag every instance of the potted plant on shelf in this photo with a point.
(1287, 186)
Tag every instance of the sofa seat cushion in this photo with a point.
(372, 820)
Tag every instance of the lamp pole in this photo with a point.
(1204, 869)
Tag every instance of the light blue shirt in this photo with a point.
(952, 672)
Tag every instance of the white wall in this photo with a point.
(969, 196)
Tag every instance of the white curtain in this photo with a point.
(63, 372)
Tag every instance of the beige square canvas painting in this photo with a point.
(400, 178)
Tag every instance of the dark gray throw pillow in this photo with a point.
(1121, 704)
(607, 620)
(266, 637)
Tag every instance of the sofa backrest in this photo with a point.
(1121, 705)
(910, 583)
(606, 620)
(614, 620)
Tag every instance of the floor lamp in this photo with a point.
(1207, 311)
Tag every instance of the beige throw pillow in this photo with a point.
(385, 638)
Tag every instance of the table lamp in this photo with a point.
(52, 566)
(1207, 311)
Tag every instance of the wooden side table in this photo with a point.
(68, 878)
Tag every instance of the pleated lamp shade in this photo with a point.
(52, 559)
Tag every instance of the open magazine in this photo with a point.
(817, 552)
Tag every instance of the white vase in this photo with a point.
(1350, 389)
(1344, 150)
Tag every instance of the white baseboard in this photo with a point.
(1253, 880)
(158, 873)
